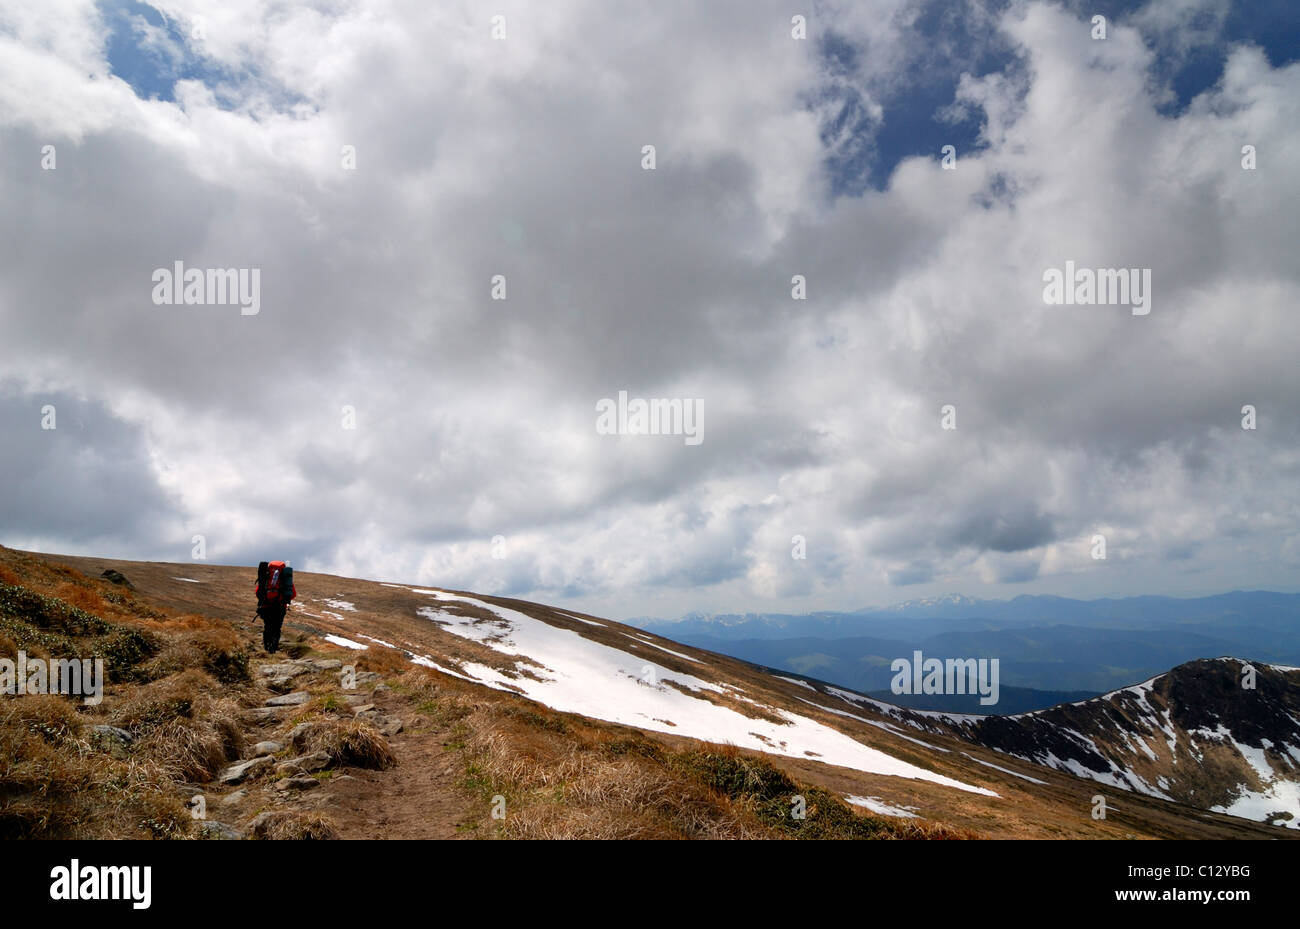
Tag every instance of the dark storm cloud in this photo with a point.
(86, 479)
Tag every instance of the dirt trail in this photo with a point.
(417, 799)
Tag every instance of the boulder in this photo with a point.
(269, 747)
(117, 577)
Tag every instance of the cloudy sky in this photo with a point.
(379, 162)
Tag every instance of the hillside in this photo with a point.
(467, 705)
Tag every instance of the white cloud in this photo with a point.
(522, 157)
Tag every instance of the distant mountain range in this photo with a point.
(1050, 649)
(1211, 734)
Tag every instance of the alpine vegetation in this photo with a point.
(651, 417)
(213, 286)
(954, 676)
(1109, 286)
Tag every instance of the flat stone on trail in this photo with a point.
(268, 714)
(316, 761)
(282, 669)
(237, 773)
(303, 782)
(387, 725)
(296, 698)
(269, 747)
(327, 664)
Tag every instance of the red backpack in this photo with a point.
(275, 583)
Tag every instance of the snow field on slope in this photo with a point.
(578, 675)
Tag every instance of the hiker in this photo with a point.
(275, 591)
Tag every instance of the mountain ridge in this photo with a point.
(587, 686)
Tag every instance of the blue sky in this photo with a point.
(913, 121)
(151, 52)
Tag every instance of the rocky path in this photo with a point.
(303, 773)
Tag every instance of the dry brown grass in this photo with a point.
(216, 649)
(53, 784)
(82, 597)
(559, 781)
(387, 661)
(143, 708)
(184, 724)
(293, 825)
(195, 749)
(348, 742)
(564, 777)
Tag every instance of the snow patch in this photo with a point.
(346, 643)
(794, 680)
(989, 764)
(876, 805)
